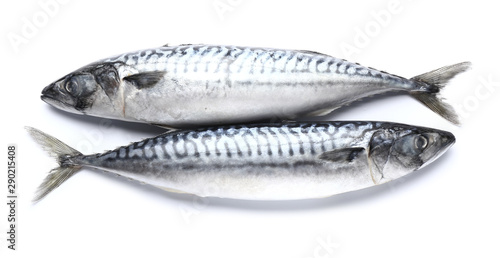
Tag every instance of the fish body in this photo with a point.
(198, 85)
(280, 161)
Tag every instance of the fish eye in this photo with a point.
(420, 142)
(72, 87)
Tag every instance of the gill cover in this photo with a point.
(395, 153)
(106, 76)
(379, 150)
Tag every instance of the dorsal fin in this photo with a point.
(312, 52)
(167, 45)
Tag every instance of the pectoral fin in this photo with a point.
(145, 80)
(343, 155)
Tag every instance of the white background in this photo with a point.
(449, 208)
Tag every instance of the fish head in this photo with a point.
(399, 151)
(89, 90)
(73, 93)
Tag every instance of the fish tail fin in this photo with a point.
(433, 82)
(63, 154)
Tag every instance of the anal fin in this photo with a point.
(172, 190)
(321, 112)
(169, 128)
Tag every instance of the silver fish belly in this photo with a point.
(262, 162)
(193, 85)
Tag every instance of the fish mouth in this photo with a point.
(447, 140)
(51, 96)
(56, 103)
(51, 100)
(50, 91)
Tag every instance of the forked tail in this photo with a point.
(434, 81)
(62, 153)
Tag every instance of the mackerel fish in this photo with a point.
(278, 161)
(190, 86)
